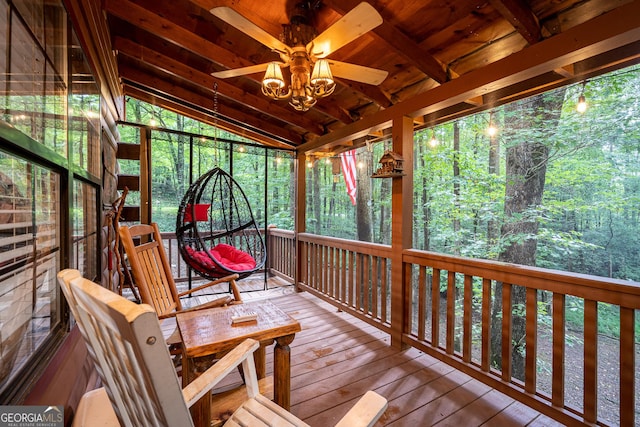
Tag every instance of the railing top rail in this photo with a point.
(351, 245)
(613, 291)
(281, 232)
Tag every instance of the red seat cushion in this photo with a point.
(226, 255)
(233, 258)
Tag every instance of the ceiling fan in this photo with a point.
(305, 53)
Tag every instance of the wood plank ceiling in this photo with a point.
(167, 50)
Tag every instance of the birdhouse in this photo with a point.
(391, 164)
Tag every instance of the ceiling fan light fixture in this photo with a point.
(304, 53)
(273, 81)
(321, 74)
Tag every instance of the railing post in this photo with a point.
(402, 214)
(300, 215)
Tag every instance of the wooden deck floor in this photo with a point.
(336, 358)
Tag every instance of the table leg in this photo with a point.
(260, 360)
(191, 369)
(282, 371)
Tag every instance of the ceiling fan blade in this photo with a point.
(252, 69)
(238, 21)
(358, 73)
(359, 20)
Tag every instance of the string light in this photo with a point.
(491, 130)
(581, 106)
(433, 142)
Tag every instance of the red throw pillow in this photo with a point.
(201, 210)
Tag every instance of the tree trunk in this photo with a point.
(526, 165)
(363, 196)
(456, 189)
(315, 199)
(494, 169)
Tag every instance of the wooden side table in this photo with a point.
(208, 333)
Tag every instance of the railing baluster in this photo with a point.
(359, 285)
(557, 382)
(331, 266)
(366, 284)
(507, 315)
(590, 361)
(531, 348)
(627, 366)
(375, 288)
(422, 303)
(451, 311)
(466, 320)
(435, 308)
(486, 325)
(383, 291)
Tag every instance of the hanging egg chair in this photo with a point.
(215, 228)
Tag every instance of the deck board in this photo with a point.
(336, 358)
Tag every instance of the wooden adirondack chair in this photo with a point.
(95, 404)
(152, 275)
(135, 366)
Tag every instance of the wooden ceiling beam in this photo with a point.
(187, 111)
(188, 96)
(597, 36)
(520, 15)
(169, 31)
(259, 103)
(399, 41)
(180, 36)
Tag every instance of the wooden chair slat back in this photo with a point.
(150, 267)
(136, 366)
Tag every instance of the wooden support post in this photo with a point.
(300, 215)
(402, 214)
(145, 175)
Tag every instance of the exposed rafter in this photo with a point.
(521, 17)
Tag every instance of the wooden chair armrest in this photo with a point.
(365, 412)
(212, 376)
(230, 279)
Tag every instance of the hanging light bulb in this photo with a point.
(433, 142)
(581, 106)
(153, 122)
(492, 130)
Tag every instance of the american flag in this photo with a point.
(348, 161)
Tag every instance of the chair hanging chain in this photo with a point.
(215, 112)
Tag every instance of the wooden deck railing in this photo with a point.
(452, 303)
(355, 276)
(281, 248)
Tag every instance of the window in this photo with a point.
(29, 260)
(49, 113)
